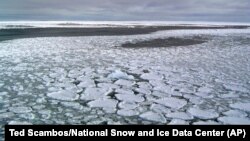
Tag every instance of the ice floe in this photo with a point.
(93, 93)
(127, 105)
(123, 112)
(159, 108)
(203, 113)
(125, 83)
(180, 115)
(66, 95)
(118, 74)
(129, 97)
(103, 103)
(235, 113)
(171, 102)
(19, 110)
(241, 106)
(178, 122)
(234, 120)
(152, 116)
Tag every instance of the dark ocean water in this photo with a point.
(16, 33)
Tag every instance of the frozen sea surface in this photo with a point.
(93, 80)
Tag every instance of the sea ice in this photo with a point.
(103, 103)
(241, 106)
(234, 120)
(128, 113)
(14, 122)
(203, 114)
(209, 122)
(118, 74)
(107, 85)
(19, 110)
(143, 91)
(93, 93)
(64, 95)
(235, 113)
(86, 82)
(144, 85)
(74, 105)
(127, 105)
(171, 102)
(152, 76)
(159, 108)
(152, 116)
(236, 88)
(6, 115)
(125, 83)
(124, 91)
(129, 97)
(178, 122)
(180, 115)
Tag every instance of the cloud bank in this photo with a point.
(160, 10)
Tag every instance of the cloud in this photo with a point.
(209, 10)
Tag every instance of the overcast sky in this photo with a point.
(159, 10)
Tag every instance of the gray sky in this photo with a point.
(160, 10)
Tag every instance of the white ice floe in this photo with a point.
(144, 85)
(152, 76)
(152, 116)
(129, 98)
(74, 105)
(159, 108)
(66, 95)
(209, 122)
(236, 88)
(160, 94)
(86, 82)
(107, 85)
(93, 93)
(125, 83)
(178, 122)
(193, 99)
(235, 113)
(14, 122)
(27, 116)
(229, 95)
(171, 102)
(103, 103)
(234, 120)
(6, 115)
(3, 93)
(127, 113)
(203, 113)
(180, 115)
(241, 106)
(143, 91)
(19, 110)
(124, 91)
(118, 74)
(127, 105)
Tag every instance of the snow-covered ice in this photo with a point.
(180, 115)
(120, 75)
(152, 116)
(234, 120)
(103, 103)
(241, 106)
(129, 98)
(203, 114)
(171, 102)
(64, 95)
